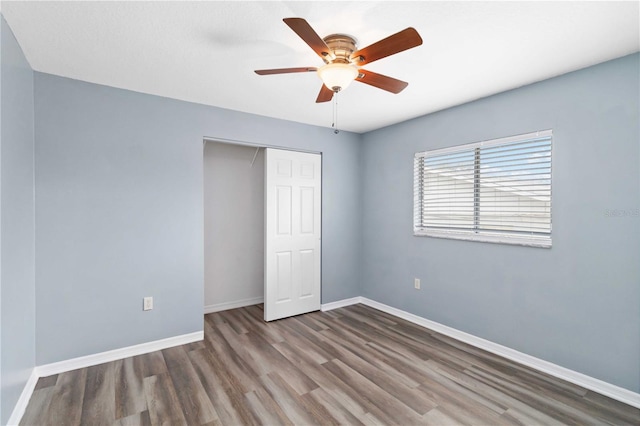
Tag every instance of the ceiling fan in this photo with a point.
(343, 59)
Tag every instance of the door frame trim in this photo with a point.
(256, 144)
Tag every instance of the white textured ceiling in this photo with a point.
(206, 52)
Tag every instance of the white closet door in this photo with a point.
(292, 233)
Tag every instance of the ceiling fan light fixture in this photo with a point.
(337, 76)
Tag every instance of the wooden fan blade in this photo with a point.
(325, 94)
(306, 33)
(285, 70)
(398, 42)
(381, 81)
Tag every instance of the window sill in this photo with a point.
(486, 237)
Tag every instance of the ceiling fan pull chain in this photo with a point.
(335, 113)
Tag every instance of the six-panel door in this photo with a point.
(292, 233)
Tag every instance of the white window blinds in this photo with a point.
(497, 191)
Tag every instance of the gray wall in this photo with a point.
(233, 224)
(576, 304)
(119, 212)
(17, 268)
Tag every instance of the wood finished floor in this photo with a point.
(353, 365)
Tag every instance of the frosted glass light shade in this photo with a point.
(337, 76)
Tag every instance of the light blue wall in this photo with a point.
(119, 212)
(17, 268)
(576, 304)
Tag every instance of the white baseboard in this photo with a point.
(612, 391)
(208, 309)
(25, 396)
(113, 355)
(340, 303)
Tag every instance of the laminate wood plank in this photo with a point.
(422, 349)
(470, 388)
(318, 411)
(332, 314)
(371, 420)
(435, 349)
(287, 398)
(98, 407)
(365, 315)
(551, 407)
(311, 343)
(196, 405)
(467, 416)
(437, 417)
(213, 423)
(311, 322)
(266, 409)
(404, 367)
(301, 352)
(464, 385)
(233, 368)
(386, 407)
(576, 400)
(321, 318)
(240, 349)
(130, 399)
(163, 403)
(45, 382)
(387, 338)
(237, 323)
(463, 410)
(37, 411)
(194, 346)
(402, 373)
(67, 401)
(389, 382)
(294, 325)
(337, 410)
(230, 406)
(269, 333)
(529, 417)
(616, 409)
(151, 364)
(137, 419)
(271, 360)
(325, 379)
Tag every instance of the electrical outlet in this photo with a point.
(416, 283)
(147, 303)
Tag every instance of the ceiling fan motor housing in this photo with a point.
(342, 46)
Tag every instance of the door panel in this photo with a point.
(283, 214)
(292, 233)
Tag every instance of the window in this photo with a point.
(495, 191)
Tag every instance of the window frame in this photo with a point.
(531, 240)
